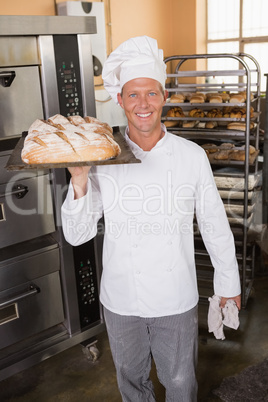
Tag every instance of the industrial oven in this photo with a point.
(48, 289)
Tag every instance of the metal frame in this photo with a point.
(244, 71)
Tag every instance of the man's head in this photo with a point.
(142, 100)
(136, 58)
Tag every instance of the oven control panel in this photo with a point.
(68, 75)
(87, 284)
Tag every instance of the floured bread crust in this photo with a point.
(74, 139)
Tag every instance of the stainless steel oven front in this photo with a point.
(47, 303)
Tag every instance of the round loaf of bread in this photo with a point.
(73, 139)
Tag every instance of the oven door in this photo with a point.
(26, 209)
(30, 296)
(21, 101)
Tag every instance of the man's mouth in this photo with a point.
(143, 115)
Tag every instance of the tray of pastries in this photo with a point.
(228, 153)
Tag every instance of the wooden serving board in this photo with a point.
(16, 163)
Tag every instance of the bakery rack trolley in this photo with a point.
(243, 233)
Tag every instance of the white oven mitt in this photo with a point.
(217, 317)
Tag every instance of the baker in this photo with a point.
(149, 285)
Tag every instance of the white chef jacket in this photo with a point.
(149, 207)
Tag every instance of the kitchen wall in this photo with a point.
(178, 25)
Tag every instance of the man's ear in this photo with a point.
(166, 94)
(119, 99)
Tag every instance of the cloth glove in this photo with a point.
(217, 317)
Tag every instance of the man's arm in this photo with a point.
(82, 207)
(79, 180)
(218, 237)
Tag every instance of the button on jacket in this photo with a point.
(149, 209)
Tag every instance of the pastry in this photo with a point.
(214, 113)
(196, 113)
(175, 112)
(64, 140)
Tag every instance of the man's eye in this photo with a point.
(132, 95)
(152, 93)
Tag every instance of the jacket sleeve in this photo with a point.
(216, 233)
(80, 217)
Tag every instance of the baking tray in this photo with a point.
(230, 178)
(16, 163)
(211, 157)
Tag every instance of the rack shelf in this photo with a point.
(246, 171)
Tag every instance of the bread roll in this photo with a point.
(197, 99)
(226, 145)
(62, 140)
(201, 94)
(171, 123)
(210, 148)
(189, 124)
(252, 149)
(237, 98)
(211, 124)
(236, 125)
(240, 155)
(215, 99)
(222, 155)
(177, 98)
(244, 93)
(225, 97)
(237, 155)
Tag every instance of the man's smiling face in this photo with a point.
(142, 100)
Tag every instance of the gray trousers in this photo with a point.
(172, 341)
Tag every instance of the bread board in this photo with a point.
(15, 162)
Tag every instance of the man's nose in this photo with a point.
(144, 101)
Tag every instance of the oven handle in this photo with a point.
(33, 290)
(7, 77)
(19, 191)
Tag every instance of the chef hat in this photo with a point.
(136, 58)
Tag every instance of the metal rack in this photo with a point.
(245, 173)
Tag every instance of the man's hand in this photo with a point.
(79, 180)
(237, 300)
